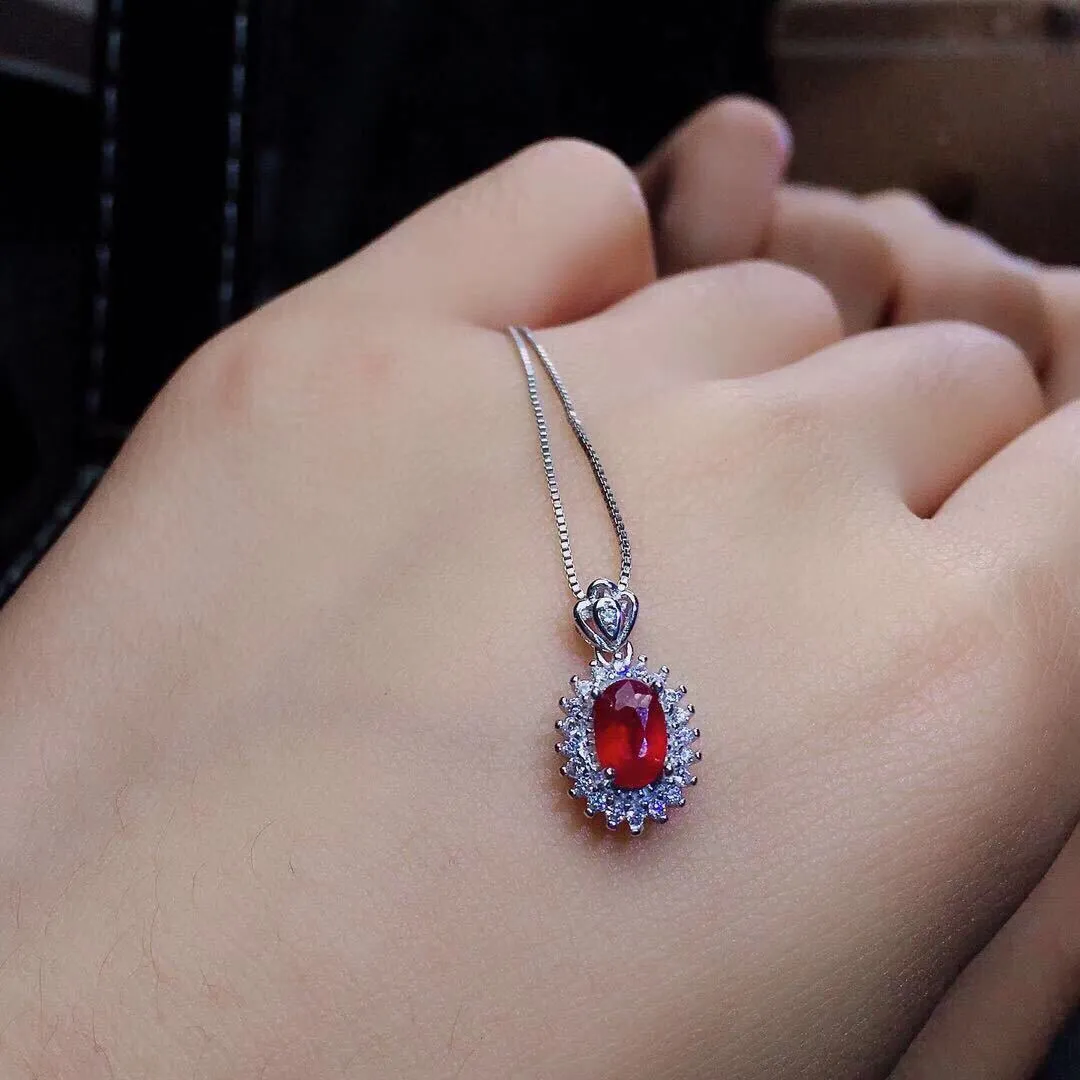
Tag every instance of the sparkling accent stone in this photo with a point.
(670, 697)
(607, 615)
(631, 732)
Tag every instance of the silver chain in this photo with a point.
(524, 339)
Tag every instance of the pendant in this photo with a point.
(626, 735)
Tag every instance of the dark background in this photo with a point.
(170, 166)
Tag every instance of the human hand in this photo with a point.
(277, 791)
(717, 195)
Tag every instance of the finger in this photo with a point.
(721, 321)
(710, 185)
(1002, 1013)
(1061, 299)
(825, 233)
(553, 234)
(945, 271)
(923, 406)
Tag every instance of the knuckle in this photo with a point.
(969, 362)
(1059, 294)
(802, 209)
(1013, 288)
(1013, 295)
(1061, 283)
(873, 255)
(777, 438)
(1004, 276)
(586, 170)
(825, 230)
(902, 204)
(835, 214)
(751, 121)
(225, 377)
(971, 353)
(803, 294)
(277, 366)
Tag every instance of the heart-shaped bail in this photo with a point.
(606, 616)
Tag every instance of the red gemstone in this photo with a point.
(631, 732)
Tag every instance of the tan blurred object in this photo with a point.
(976, 104)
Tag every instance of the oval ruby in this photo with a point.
(631, 732)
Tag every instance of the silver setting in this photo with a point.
(623, 656)
(594, 785)
(606, 616)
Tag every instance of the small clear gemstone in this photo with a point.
(586, 781)
(670, 698)
(681, 738)
(670, 792)
(607, 615)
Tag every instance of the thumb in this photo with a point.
(710, 184)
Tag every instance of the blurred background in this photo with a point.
(168, 166)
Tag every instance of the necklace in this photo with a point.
(625, 733)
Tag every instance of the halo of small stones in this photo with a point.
(635, 806)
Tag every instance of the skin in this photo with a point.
(890, 259)
(277, 791)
